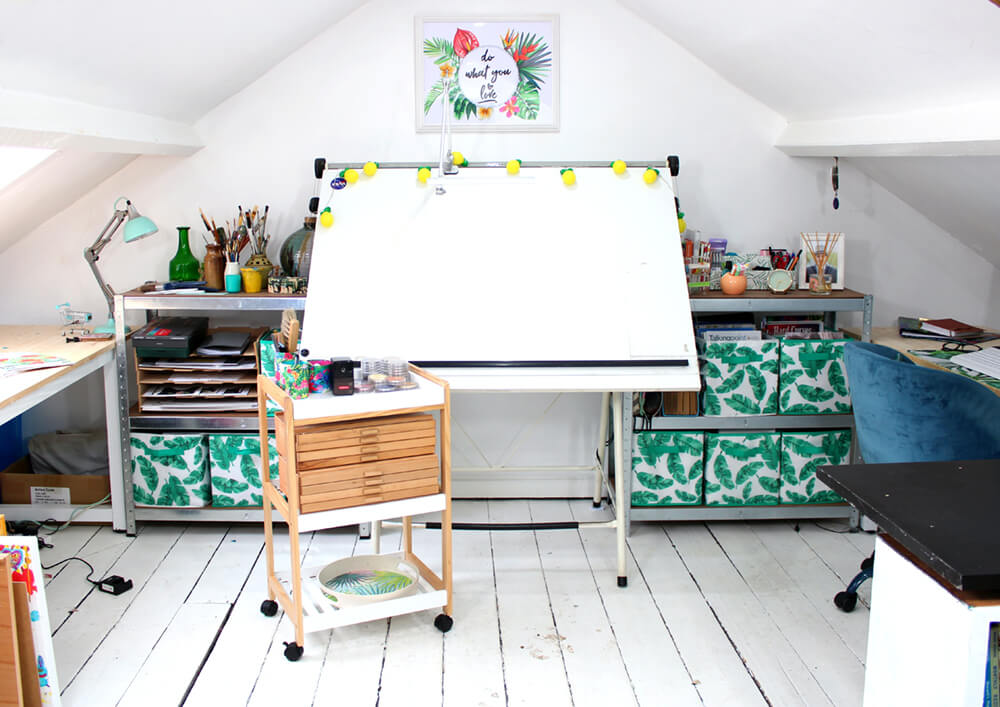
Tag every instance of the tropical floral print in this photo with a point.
(812, 377)
(170, 470)
(801, 453)
(741, 378)
(742, 469)
(234, 467)
(667, 468)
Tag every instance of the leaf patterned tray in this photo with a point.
(363, 579)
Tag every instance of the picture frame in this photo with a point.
(834, 267)
(510, 65)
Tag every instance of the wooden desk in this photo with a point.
(936, 587)
(889, 336)
(22, 391)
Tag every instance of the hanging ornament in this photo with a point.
(459, 159)
(619, 166)
(349, 175)
(681, 226)
(514, 166)
(423, 174)
(650, 175)
(370, 169)
(835, 178)
(326, 217)
(568, 176)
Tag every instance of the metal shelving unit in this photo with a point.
(794, 302)
(153, 304)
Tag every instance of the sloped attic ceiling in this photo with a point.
(908, 89)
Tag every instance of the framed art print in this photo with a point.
(501, 73)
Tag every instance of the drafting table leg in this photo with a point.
(114, 436)
(620, 500)
(376, 536)
(602, 439)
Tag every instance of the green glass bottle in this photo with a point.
(184, 267)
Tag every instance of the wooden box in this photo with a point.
(342, 464)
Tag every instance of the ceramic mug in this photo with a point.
(733, 284)
(252, 279)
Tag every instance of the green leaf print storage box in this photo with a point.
(667, 468)
(234, 467)
(801, 453)
(740, 377)
(170, 470)
(742, 469)
(812, 378)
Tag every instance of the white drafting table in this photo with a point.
(22, 391)
(615, 384)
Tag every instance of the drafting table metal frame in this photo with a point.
(35, 387)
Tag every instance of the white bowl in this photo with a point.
(364, 579)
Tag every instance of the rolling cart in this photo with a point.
(345, 460)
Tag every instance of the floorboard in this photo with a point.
(735, 613)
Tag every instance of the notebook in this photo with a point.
(986, 361)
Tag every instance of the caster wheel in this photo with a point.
(293, 651)
(443, 623)
(846, 601)
(623, 581)
(868, 564)
(269, 607)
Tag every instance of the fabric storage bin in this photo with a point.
(234, 463)
(742, 469)
(801, 453)
(170, 470)
(740, 378)
(667, 468)
(812, 377)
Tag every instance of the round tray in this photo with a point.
(364, 579)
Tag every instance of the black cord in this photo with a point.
(831, 530)
(79, 559)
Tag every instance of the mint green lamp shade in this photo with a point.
(137, 226)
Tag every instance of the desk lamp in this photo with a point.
(136, 227)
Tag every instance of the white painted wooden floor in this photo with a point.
(715, 614)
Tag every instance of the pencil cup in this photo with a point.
(295, 378)
(252, 279)
(233, 278)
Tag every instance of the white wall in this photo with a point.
(626, 92)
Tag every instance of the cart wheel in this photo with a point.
(846, 601)
(269, 607)
(443, 623)
(293, 651)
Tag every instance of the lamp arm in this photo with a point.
(93, 254)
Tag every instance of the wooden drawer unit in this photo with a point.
(358, 462)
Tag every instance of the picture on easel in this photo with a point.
(828, 248)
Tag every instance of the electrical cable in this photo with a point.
(79, 559)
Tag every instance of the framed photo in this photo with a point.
(502, 73)
(834, 265)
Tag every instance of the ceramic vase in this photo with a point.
(215, 267)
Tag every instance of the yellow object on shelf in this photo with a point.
(253, 280)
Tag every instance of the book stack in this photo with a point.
(940, 329)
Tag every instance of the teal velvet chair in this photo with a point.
(904, 412)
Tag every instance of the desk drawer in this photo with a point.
(373, 482)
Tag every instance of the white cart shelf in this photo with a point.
(298, 591)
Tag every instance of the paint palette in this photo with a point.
(363, 579)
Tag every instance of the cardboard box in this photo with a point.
(19, 485)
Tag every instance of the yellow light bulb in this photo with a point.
(326, 218)
(513, 167)
(649, 176)
(351, 176)
(569, 177)
(619, 166)
(423, 174)
(370, 169)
